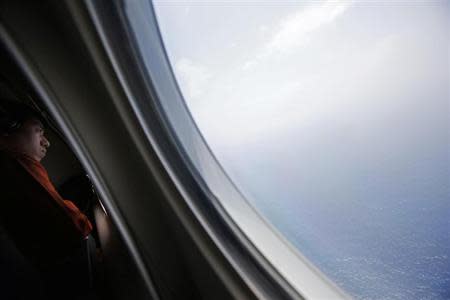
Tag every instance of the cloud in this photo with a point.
(329, 78)
(295, 30)
(192, 78)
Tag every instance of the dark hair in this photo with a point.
(14, 114)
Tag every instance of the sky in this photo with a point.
(260, 67)
(330, 110)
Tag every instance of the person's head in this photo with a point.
(22, 131)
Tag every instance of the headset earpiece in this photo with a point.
(8, 122)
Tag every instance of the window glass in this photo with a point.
(332, 118)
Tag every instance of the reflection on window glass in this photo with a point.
(332, 117)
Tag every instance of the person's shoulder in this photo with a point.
(9, 166)
(5, 156)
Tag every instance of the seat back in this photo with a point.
(18, 278)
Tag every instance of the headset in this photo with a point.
(14, 110)
(13, 114)
(17, 106)
(9, 120)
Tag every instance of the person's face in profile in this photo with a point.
(29, 139)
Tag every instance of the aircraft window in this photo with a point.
(332, 119)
